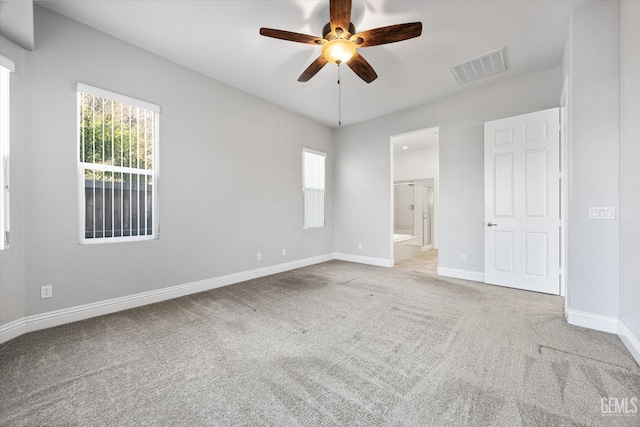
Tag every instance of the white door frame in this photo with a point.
(564, 188)
(391, 202)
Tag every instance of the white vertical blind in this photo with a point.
(6, 67)
(313, 187)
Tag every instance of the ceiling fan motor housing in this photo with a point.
(326, 31)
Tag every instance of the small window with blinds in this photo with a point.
(313, 187)
(6, 67)
(117, 167)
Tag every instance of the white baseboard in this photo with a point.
(455, 273)
(380, 262)
(606, 324)
(21, 326)
(629, 340)
(10, 330)
(86, 311)
(591, 320)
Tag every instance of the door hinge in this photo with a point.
(6, 238)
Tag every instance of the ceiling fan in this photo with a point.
(340, 41)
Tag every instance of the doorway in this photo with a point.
(414, 194)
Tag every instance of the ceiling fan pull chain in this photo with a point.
(339, 98)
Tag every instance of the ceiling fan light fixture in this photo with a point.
(338, 51)
(339, 41)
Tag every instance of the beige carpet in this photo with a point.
(332, 344)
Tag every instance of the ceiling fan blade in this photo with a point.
(312, 69)
(340, 14)
(290, 36)
(390, 34)
(361, 67)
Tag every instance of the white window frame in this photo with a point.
(82, 166)
(7, 66)
(313, 219)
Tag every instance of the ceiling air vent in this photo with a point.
(481, 66)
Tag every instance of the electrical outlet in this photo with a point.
(46, 291)
(463, 257)
(284, 252)
(259, 256)
(359, 245)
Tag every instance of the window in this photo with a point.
(6, 67)
(117, 167)
(313, 188)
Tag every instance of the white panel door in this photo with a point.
(522, 201)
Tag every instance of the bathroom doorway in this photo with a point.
(414, 198)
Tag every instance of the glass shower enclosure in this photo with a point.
(412, 219)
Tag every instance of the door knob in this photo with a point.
(491, 224)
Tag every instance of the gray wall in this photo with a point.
(230, 174)
(16, 22)
(629, 161)
(362, 167)
(593, 251)
(12, 261)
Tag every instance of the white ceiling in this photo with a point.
(220, 39)
(417, 140)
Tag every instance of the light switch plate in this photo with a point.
(602, 213)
